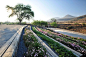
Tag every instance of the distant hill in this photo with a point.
(53, 18)
(65, 18)
(80, 19)
(68, 16)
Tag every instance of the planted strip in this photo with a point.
(35, 49)
(72, 44)
(60, 50)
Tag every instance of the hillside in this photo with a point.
(65, 18)
(68, 16)
(80, 19)
(71, 19)
(77, 28)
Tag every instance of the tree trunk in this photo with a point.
(20, 22)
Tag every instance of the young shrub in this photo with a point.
(76, 23)
(54, 24)
(83, 24)
(70, 27)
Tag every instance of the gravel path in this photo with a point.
(6, 32)
(21, 47)
(70, 33)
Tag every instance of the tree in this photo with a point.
(22, 12)
(53, 24)
(43, 23)
(39, 23)
(36, 22)
(53, 20)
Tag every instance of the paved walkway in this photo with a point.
(6, 32)
(70, 33)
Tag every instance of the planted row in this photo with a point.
(53, 34)
(60, 50)
(34, 48)
(70, 43)
(70, 37)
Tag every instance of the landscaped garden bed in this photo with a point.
(60, 50)
(75, 43)
(35, 49)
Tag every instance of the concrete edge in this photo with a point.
(74, 52)
(51, 53)
(10, 47)
(6, 45)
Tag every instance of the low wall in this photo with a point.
(9, 49)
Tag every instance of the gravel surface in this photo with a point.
(69, 33)
(6, 32)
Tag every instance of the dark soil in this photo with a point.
(77, 28)
(21, 48)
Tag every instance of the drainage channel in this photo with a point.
(21, 46)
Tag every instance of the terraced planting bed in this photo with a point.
(35, 49)
(55, 46)
(77, 44)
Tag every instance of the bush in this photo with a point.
(54, 24)
(84, 24)
(23, 23)
(70, 27)
(76, 23)
(40, 23)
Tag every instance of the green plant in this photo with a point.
(76, 23)
(39, 23)
(70, 27)
(53, 24)
(83, 24)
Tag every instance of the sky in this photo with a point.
(45, 9)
